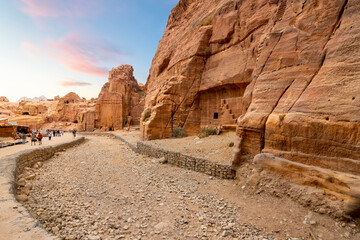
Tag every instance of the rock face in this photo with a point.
(284, 71)
(68, 109)
(119, 98)
(3, 99)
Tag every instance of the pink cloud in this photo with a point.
(74, 83)
(31, 50)
(84, 54)
(60, 8)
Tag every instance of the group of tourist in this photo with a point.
(37, 136)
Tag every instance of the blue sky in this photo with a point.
(52, 47)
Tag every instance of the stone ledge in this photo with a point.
(15, 221)
(342, 185)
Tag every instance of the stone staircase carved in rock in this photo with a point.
(226, 116)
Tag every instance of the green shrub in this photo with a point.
(231, 144)
(146, 114)
(205, 22)
(178, 133)
(207, 131)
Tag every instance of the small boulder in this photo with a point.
(22, 198)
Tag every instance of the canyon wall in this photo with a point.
(120, 100)
(285, 72)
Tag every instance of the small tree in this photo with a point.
(178, 133)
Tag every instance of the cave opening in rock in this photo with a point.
(26, 113)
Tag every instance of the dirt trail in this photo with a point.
(103, 190)
(45, 142)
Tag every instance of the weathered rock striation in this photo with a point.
(284, 71)
(120, 98)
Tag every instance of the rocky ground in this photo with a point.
(103, 190)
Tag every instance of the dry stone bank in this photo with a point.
(17, 172)
(104, 190)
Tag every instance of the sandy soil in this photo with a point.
(213, 148)
(103, 190)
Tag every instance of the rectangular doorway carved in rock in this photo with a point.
(221, 106)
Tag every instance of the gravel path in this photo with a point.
(103, 190)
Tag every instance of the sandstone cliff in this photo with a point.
(119, 98)
(284, 71)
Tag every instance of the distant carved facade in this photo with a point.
(120, 99)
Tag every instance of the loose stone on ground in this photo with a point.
(104, 190)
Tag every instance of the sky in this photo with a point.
(53, 47)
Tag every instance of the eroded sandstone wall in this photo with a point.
(293, 65)
(120, 98)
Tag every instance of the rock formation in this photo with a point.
(68, 108)
(3, 99)
(63, 113)
(284, 71)
(119, 98)
(34, 108)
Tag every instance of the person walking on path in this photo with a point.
(33, 139)
(74, 133)
(23, 138)
(129, 120)
(40, 137)
(49, 135)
